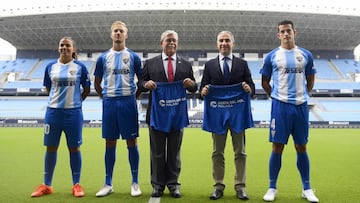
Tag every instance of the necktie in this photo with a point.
(226, 69)
(170, 70)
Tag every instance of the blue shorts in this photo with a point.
(227, 106)
(120, 117)
(58, 120)
(169, 107)
(289, 119)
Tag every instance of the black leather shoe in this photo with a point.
(175, 193)
(217, 194)
(241, 194)
(156, 193)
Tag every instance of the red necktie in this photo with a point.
(170, 70)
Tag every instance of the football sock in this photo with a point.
(133, 153)
(50, 162)
(75, 164)
(303, 165)
(274, 168)
(110, 156)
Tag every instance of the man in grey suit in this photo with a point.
(226, 69)
(165, 146)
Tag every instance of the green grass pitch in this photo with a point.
(334, 156)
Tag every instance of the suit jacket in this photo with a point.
(240, 72)
(154, 70)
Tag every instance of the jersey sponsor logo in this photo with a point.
(293, 70)
(65, 83)
(120, 71)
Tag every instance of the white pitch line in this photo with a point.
(154, 200)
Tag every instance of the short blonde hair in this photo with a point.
(119, 23)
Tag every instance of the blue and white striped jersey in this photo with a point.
(118, 69)
(289, 69)
(64, 81)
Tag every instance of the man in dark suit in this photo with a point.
(165, 146)
(226, 69)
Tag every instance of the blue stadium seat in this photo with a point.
(20, 65)
(337, 85)
(346, 66)
(24, 84)
(255, 67)
(39, 72)
(324, 70)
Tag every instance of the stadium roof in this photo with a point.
(333, 26)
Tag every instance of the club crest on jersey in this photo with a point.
(72, 72)
(126, 60)
(299, 58)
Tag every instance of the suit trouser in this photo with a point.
(165, 158)
(218, 159)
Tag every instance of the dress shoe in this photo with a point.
(241, 194)
(156, 193)
(217, 194)
(175, 193)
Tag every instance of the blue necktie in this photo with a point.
(226, 69)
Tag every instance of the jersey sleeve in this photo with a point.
(85, 77)
(99, 68)
(137, 65)
(47, 80)
(310, 68)
(266, 69)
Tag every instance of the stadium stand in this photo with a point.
(331, 109)
(90, 65)
(39, 70)
(338, 75)
(326, 70)
(347, 67)
(22, 107)
(337, 85)
(323, 109)
(22, 66)
(24, 84)
(333, 97)
(255, 67)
